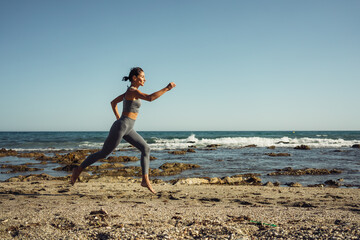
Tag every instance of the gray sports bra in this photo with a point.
(131, 105)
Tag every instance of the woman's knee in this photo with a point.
(146, 150)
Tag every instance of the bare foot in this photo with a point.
(75, 175)
(146, 183)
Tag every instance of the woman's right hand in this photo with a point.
(171, 86)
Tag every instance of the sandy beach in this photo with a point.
(119, 208)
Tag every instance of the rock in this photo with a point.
(191, 181)
(215, 180)
(356, 146)
(269, 184)
(213, 145)
(276, 184)
(152, 158)
(332, 183)
(190, 150)
(294, 184)
(175, 168)
(105, 166)
(67, 168)
(251, 146)
(305, 171)
(75, 157)
(33, 177)
(113, 159)
(19, 168)
(253, 180)
(232, 180)
(271, 147)
(31, 155)
(10, 152)
(278, 154)
(177, 152)
(302, 147)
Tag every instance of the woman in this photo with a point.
(123, 126)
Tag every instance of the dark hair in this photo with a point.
(133, 72)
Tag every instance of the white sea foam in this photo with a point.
(238, 142)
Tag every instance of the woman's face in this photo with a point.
(140, 79)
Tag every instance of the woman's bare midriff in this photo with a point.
(131, 115)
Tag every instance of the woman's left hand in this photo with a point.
(171, 86)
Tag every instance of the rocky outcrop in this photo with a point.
(5, 153)
(19, 168)
(176, 168)
(113, 159)
(177, 152)
(305, 171)
(356, 146)
(302, 147)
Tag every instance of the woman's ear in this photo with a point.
(133, 78)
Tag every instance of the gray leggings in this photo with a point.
(122, 128)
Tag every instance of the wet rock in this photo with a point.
(232, 180)
(251, 146)
(152, 158)
(253, 180)
(177, 167)
(71, 158)
(316, 185)
(271, 147)
(356, 146)
(177, 152)
(332, 183)
(276, 184)
(124, 172)
(302, 147)
(105, 166)
(213, 145)
(10, 152)
(67, 168)
(19, 168)
(305, 171)
(294, 184)
(278, 154)
(215, 180)
(113, 159)
(190, 150)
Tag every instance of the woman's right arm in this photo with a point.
(155, 95)
(114, 105)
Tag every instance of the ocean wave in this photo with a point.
(238, 142)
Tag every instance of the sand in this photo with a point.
(119, 208)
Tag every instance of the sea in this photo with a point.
(236, 152)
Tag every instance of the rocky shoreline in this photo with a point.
(109, 203)
(113, 166)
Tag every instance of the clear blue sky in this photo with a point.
(238, 65)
